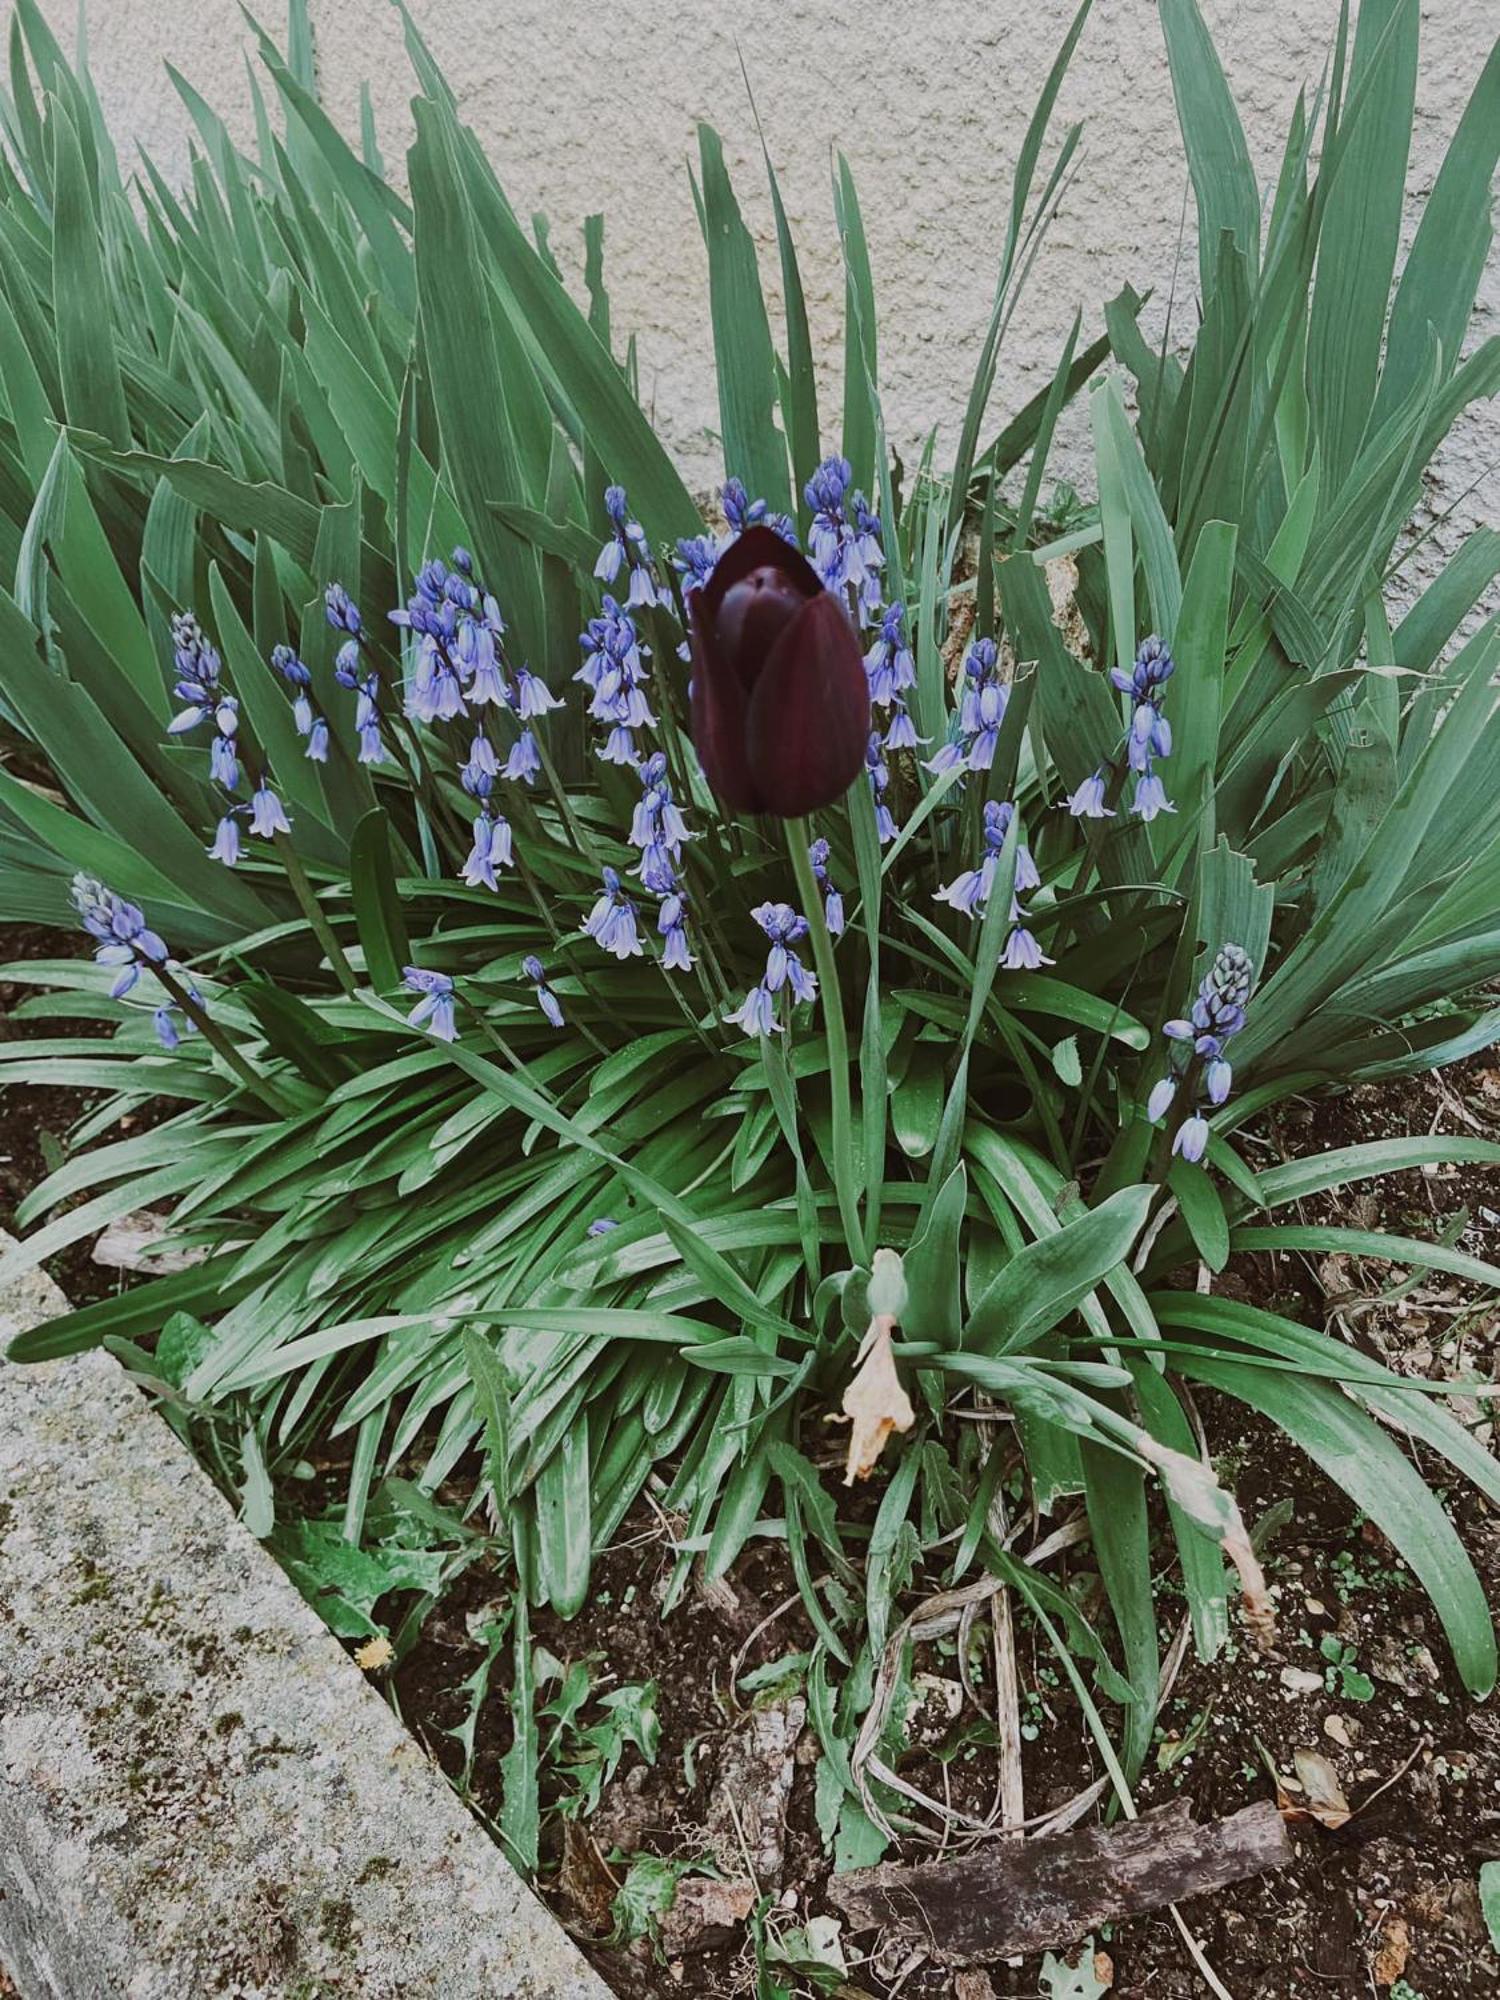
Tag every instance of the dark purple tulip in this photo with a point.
(781, 702)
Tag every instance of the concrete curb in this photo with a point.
(199, 1793)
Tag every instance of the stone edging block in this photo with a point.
(199, 1794)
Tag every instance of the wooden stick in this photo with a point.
(1034, 1895)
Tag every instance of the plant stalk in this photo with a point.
(844, 1178)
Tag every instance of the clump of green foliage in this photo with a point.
(289, 374)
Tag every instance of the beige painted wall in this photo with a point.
(589, 107)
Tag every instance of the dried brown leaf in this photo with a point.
(1390, 1959)
(874, 1402)
(1322, 1795)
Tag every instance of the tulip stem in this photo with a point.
(845, 1174)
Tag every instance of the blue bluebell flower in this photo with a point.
(626, 549)
(546, 999)
(846, 554)
(825, 493)
(291, 669)
(226, 843)
(1190, 1141)
(741, 512)
(902, 731)
(1088, 801)
(1159, 1103)
(671, 924)
(615, 671)
(601, 1225)
(267, 815)
(532, 695)
(317, 741)
(1198, 1066)
(756, 1014)
(1022, 953)
(224, 762)
(833, 902)
(347, 664)
(523, 760)
(785, 927)
(458, 632)
(890, 662)
(299, 679)
(981, 710)
(611, 923)
(869, 556)
(970, 891)
(343, 613)
(434, 1011)
(477, 774)
(124, 941)
(694, 561)
(878, 772)
(657, 827)
(493, 848)
(1150, 734)
(198, 669)
(372, 748)
(171, 1023)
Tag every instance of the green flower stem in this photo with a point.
(255, 1082)
(844, 1175)
(312, 909)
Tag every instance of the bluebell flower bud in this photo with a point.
(1190, 1142)
(1159, 1103)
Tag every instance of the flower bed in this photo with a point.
(639, 983)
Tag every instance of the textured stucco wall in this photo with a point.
(585, 107)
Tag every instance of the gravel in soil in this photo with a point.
(1387, 1903)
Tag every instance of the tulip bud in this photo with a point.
(781, 701)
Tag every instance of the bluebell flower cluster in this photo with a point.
(533, 970)
(697, 554)
(354, 671)
(612, 922)
(694, 561)
(615, 671)
(784, 926)
(969, 893)
(657, 827)
(845, 539)
(892, 669)
(878, 772)
(658, 830)
(1199, 1069)
(981, 710)
(626, 549)
(492, 848)
(833, 902)
(1148, 737)
(309, 723)
(202, 687)
(125, 943)
(435, 1009)
(459, 668)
